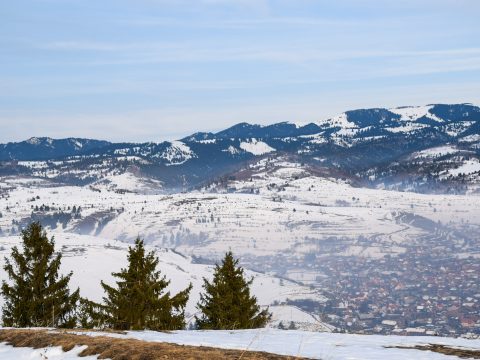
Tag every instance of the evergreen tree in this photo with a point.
(138, 301)
(36, 295)
(226, 303)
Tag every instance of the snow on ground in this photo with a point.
(314, 345)
(256, 147)
(412, 113)
(471, 138)
(286, 314)
(338, 121)
(468, 167)
(232, 150)
(8, 352)
(282, 208)
(129, 182)
(299, 124)
(455, 129)
(325, 346)
(177, 153)
(406, 127)
(315, 138)
(436, 151)
(34, 164)
(92, 259)
(22, 181)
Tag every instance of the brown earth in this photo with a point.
(446, 350)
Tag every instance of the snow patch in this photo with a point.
(470, 138)
(406, 127)
(177, 153)
(9, 352)
(256, 147)
(338, 121)
(129, 182)
(33, 141)
(232, 150)
(468, 167)
(413, 113)
(436, 151)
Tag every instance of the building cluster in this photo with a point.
(416, 293)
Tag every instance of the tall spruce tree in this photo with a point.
(138, 301)
(226, 303)
(36, 294)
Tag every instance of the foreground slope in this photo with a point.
(18, 343)
(244, 344)
(311, 345)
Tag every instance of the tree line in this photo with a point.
(36, 295)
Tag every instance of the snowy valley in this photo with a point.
(356, 251)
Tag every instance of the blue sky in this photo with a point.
(149, 70)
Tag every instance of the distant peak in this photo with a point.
(38, 140)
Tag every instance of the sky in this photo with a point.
(154, 70)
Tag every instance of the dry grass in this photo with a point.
(442, 349)
(122, 349)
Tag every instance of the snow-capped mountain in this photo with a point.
(378, 147)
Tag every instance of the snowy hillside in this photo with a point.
(282, 200)
(128, 182)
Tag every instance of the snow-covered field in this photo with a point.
(325, 346)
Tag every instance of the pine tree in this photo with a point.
(226, 303)
(138, 301)
(36, 295)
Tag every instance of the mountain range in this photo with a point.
(432, 148)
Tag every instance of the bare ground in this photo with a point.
(122, 349)
(446, 350)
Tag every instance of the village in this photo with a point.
(421, 292)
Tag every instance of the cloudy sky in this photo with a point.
(149, 70)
